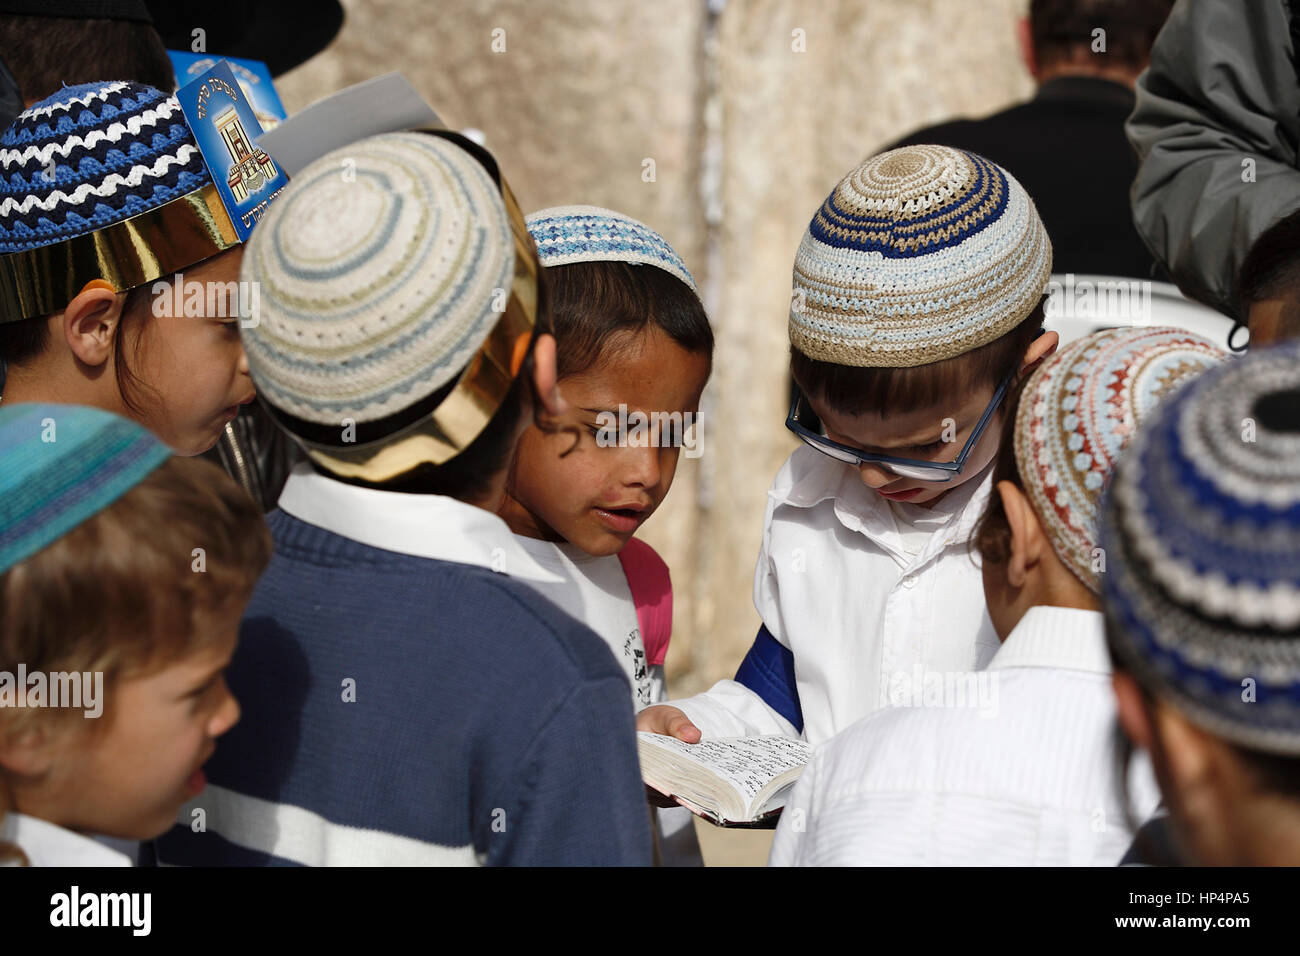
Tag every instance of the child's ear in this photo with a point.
(545, 377)
(26, 754)
(91, 320)
(1038, 350)
(1191, 756)
(1027, 539)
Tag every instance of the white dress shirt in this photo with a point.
(47, 844)
(861, 590)
(424, 526)
(1028, 777)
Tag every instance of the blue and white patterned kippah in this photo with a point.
(376, 288)
(1201, 531)
(568, 234)
(89, 156)
(919, 254)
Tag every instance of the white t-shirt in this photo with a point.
(595, 591)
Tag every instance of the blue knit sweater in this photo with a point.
(487, 725)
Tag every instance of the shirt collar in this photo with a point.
(425, 526)
(1061, 637)
(814, 478)
(47, 844)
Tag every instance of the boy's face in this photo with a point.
(131, 780)
(937, 433)
(597, 497)
(195, 363)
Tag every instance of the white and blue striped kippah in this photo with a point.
(569, 234)
(1201, 531)
(381, 269)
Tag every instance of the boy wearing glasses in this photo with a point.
(918, 304)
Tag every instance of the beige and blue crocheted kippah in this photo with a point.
(918, 255)
(381, 270)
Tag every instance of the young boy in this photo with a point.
(123, 575)
(410, 698)
(1016, 766)
(118, 269)
(107, 209)
(918, 293)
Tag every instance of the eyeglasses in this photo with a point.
(804, 423)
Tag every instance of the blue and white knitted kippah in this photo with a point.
(64, 464)
(1201, 531)
(568, 234)
(89, 156)
(382, 268)
(919, 254)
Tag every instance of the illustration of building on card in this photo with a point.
(252, 168)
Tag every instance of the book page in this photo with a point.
(745, 763)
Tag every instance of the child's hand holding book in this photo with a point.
(669, 721)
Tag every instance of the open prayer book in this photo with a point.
(729, 781)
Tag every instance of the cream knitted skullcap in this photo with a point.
(918, 255)
(381, 269)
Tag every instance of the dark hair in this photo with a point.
(592, 301)
(885, 390)
(1063, 29)
(1271, 270)
(22, 341)
(44, 53)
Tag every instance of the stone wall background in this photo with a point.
(748, 136)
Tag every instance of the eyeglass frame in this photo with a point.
(860, 457)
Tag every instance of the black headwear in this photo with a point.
(280, 33)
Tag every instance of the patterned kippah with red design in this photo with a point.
(1076, 414)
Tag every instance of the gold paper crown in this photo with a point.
(169, 238)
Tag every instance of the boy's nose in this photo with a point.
(874, 476)
(642, 466)
(226, 715)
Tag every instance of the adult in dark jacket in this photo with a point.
(1216, 126)
(1067, 144)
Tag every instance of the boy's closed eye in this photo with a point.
(929, 448)
(918, 450)
(206, 684)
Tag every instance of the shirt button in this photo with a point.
(909, 582)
